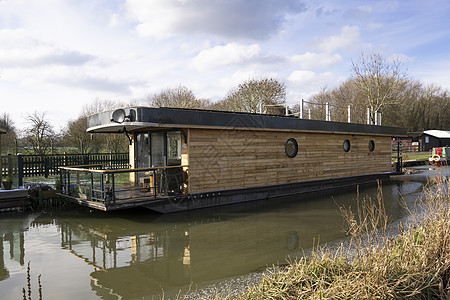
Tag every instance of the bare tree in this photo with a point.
(39, 133)
(250, 95)
(379, 80)
(8, 141)
(100, 105)
(180, 97)
(75, 135)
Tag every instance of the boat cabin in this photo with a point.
(184, 159)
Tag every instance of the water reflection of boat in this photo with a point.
(136, 255)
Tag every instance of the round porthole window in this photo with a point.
(371, 145)
(291, 148)
(346, 145)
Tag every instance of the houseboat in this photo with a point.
(182, 159)
(439, 156)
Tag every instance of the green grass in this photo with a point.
(416, 156)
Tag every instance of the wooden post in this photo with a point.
(1, 167)
(20, 169)
(9, 165)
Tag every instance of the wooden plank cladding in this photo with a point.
(227, 159)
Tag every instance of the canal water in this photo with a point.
(83, 254)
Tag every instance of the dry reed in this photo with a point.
(414, 264)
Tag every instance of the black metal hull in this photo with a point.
(233, 196)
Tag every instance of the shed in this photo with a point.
(435, 138)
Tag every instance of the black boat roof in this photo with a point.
(141, 118)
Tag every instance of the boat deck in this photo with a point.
(135, 197)
(13, 199)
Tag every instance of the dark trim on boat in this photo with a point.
(225, 197)
(147, 117)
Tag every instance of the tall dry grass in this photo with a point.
(413, 264)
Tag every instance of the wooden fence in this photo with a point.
(47, 165)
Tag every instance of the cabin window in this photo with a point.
(158, 148)
(346, 145)
(371, 145)
(291, 148)
(142, 150)
(173, 148)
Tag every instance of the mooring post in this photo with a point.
(20, 169)
(9, 165)
(399, 160)
(1, 170)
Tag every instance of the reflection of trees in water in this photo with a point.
(3, 271)
(15, 247)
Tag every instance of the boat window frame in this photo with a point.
(371, 145)
(149, 132)
(347, 145)
(295, 152)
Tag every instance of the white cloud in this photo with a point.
(309, 80)
(18, 48)
(225, 55)
(233, 19)
(311, 60)
(230, 82)
(349, 37)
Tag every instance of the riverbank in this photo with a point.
(407, 258)
(415, 264)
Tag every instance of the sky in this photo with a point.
(58, 56)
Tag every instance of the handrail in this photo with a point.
(75, 168)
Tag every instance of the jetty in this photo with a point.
(14, 200)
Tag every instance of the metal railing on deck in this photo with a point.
(99, 184)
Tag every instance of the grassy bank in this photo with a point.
(413, 264)
(416, 155)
